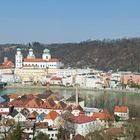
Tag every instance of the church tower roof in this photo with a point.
(46, 51)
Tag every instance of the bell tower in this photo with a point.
(18, 58)
(46, 54)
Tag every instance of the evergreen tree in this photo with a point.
(41, 136)
(16, 134)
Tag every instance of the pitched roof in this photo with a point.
(52, 115)
(18, 102)
(53, 60)
(33, 115)
(7, 65)
(7, 99)
(60, 105)
(27, 96)
(122, 109)
(2, 100)
(25, 112)
(41, 116)
(102, 116)
(34, 103)
(48, 104)
(67, 115)
(34, 60)
(82, 118)
(78, 137)
(53, 97)
(13, 96)
(14, 113)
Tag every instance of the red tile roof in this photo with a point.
(33, 115)
(17, 102)
(40, 60)
(102, 116)
(52, 115)
(82, 118)
(48, 104)
(54, 60)
(7, 65)
(34, 103)
(122, 109)
(60, 105)
(34, 60)
(56, 78)
(13, 96)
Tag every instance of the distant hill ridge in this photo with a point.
(120, 54)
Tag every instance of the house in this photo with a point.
(41, 117)
(122, 112)
(60, 105)
(48, 104)
(33, 115)
(56, 81)
(50, 117)
(25, 112)
(102, 120)
(76, 110)
(7, 66)
(34, 103)
(83, 124)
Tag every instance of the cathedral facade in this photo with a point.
(46, 62)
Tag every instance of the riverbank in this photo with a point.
(118, 90)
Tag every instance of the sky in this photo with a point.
(60, 21)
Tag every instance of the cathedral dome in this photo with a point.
(30, 50)
(46, 51)
(18, 49)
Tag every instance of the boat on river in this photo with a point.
(2, 85)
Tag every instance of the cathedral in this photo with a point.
(31, 61)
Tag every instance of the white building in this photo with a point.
(18, 58)
(122, 112)
(46, 62)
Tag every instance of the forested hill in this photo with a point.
(121, 54)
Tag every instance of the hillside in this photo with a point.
(121, 54)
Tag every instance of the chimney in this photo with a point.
(76, 95)
(5, 59)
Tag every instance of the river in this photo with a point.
(100, 99)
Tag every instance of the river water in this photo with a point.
(100, 99)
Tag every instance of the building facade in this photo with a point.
(46, 62)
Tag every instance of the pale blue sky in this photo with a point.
(51, 21)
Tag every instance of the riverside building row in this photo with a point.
(32, 70)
